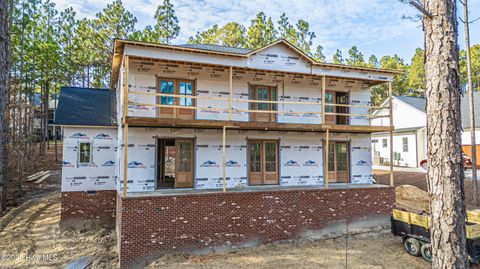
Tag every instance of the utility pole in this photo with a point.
(472, 106)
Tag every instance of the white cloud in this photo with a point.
(337, 23)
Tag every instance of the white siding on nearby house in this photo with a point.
(404, 116)
(401, 158)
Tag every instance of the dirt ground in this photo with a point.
(32, 229)
(31, 238)
(418, 180)
(372, 251)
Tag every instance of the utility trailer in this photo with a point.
(414, 229)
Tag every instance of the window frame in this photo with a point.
(384, 143)
(80, 152)
(404, 144)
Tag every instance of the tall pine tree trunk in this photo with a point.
(445, 175)
(4, 43)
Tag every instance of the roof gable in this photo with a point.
(280, 56)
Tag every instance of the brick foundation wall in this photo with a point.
(150, 226)
(80, 209)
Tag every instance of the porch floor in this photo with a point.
(262, 188)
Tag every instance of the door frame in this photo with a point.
(262, 160)
(176, 100)
(273, 117)
(157, 148)
(348, 166)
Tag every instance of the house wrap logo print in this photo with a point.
(108, 163)
(292, 163)
(135, 164)
(209, 163)
(103, 136)
(79, 136)
(310, 163)
(67, 164)
(232, 163)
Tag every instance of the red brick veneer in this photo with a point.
(82, 207)
(150, 226)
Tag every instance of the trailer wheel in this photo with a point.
(412, 246)
(426, 252)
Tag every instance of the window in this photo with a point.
(176, 106)
(384, 142)
(263, 93)
(405, 144)
(85, 153)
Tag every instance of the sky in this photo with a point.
(379, 27)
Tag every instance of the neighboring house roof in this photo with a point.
(217, 48)
(401, 131)
(417, 102)
(465, 109)
(86, 106)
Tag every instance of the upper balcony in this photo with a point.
(164, 93)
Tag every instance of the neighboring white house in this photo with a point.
(410, 136)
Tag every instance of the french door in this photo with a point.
(332, 97)
(263, 93)
(183, 88)
(175, 163)
(263, 162)
(338, 162)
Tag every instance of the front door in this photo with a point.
(263, 162)
(175, 163)
(338, 162)
(264, 93)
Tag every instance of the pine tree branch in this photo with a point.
(420, 8)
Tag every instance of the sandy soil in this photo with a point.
(372, 251)
(418, 180)
(31, 237)
(32, 229)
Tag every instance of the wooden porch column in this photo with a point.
(324, 84)
(390, 109)
(230, 95)
(125, 130)
(325, 173)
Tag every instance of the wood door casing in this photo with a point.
(338, 162)
(332, 97)
(184, 87)
(265, 93)
(263, 164)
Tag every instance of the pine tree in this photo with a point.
(337, 57)
(166, 28)
(261, 32)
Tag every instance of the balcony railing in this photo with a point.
(227, 108)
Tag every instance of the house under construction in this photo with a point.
(201, 148)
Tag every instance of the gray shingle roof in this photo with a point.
(217, 48)
(465, 108)
(417, 102)
(86, 106)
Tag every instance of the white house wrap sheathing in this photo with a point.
(300, 157)
(100, 173)
(214, 82)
